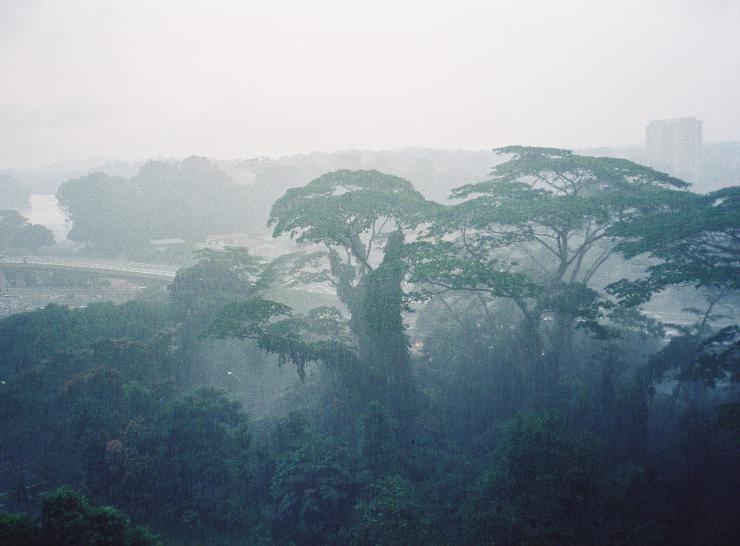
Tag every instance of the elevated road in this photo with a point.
(110, 268)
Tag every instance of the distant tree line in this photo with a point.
(189, 199)
(18, 235)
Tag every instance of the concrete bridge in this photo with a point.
(108, 268)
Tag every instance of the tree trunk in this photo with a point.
(378, 324)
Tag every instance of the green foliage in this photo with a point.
(106, 213)
(68, 519)
(390, 513)
(311, 491)
(218, 278)
(541, 488)
(695, 239)
(542, 200)
(336, 208)
(298, 340)
(18, 530)
(718, 358)
(443, 267)
(248, 319)
(197, 450)
(27, 338)
(378, 323)
(391, 446)
(350, 213)
(536, 233)
(17, 235)
(72, 365)
(550, 483)
(190, 199)
(380, 440)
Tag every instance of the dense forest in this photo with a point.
(499, 368)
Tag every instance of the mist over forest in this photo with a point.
(351, 275)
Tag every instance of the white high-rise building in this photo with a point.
(674, 146)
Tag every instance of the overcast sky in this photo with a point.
(142, 78)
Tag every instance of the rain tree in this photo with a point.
(696, 243)
(349, 214)
(695, 239)
(359, 218)
(536, 233)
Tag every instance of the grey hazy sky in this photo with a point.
(142, 78)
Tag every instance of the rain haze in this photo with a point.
(377, 273)
(135, 79)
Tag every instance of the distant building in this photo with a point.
(674, 146)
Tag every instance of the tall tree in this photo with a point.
(696, 243)
(349, 213)
(352, 214)
(536, 232)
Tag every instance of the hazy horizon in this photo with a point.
(132, 80)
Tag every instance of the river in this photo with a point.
(44, 209)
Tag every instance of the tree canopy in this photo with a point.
(541, 221)
(18, 235)
(695, 239)
(189, 199)
(350, 213)
(453, 392)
